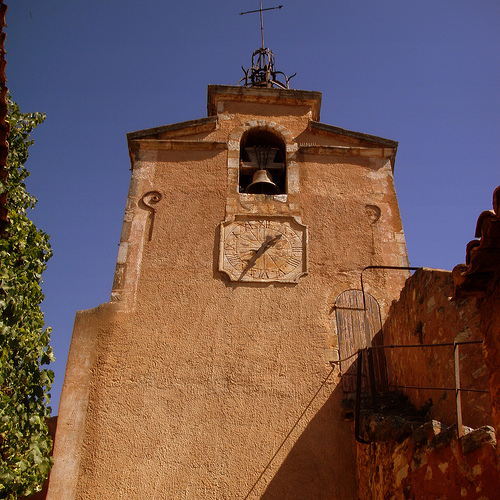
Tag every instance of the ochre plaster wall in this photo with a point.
(205, 388)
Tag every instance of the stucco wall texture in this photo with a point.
(188, 385)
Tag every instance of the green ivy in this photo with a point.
(25, 443)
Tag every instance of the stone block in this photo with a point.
(477, 438)
(426, 432)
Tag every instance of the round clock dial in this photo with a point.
(263, 250)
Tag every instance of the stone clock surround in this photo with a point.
(263, 249)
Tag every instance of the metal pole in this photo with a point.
(371, 368)
(371, 374)
(458, 396)
(261, 25)
(401, 268)
(357, 407)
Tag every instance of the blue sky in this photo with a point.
(424, 73)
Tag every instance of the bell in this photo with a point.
(262, 183)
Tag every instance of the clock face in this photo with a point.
(263, 250)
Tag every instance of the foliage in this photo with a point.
(24, 341)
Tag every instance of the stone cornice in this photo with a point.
(323, 127)
(190, 127)
(313, 149)
(263, 96)
(177, 144)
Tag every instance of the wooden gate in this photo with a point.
(353, 331)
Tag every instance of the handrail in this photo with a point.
(440, 344)
(457, 388)
(371, 372)
(396, 268)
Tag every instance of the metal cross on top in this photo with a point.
(262, 72)
(261, 10)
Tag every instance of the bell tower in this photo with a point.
(213, 371)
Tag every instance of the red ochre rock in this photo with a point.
(432, 463)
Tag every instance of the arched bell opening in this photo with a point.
(262, 163)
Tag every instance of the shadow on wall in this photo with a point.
(322, 462)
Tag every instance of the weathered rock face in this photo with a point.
(480, 277)
(482, 262)
(405, 461)
(402, 459)
(426, 313)
(190, 385)
(490, 327)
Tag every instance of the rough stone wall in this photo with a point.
(405, 461)
(480, 277)
(427, 314)
(490, 326)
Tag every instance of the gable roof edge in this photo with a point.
(349, 133)
(209, 123)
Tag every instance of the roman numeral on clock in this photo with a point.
(293, 261)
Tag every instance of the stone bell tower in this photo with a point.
(212, 372)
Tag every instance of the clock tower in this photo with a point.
(213, 371)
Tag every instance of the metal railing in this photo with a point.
(371, 370)
(457, 386)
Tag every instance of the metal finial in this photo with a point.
(261, 10)
(262, 72)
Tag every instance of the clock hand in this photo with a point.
(270, 241)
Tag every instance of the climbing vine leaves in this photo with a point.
(24, 340)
